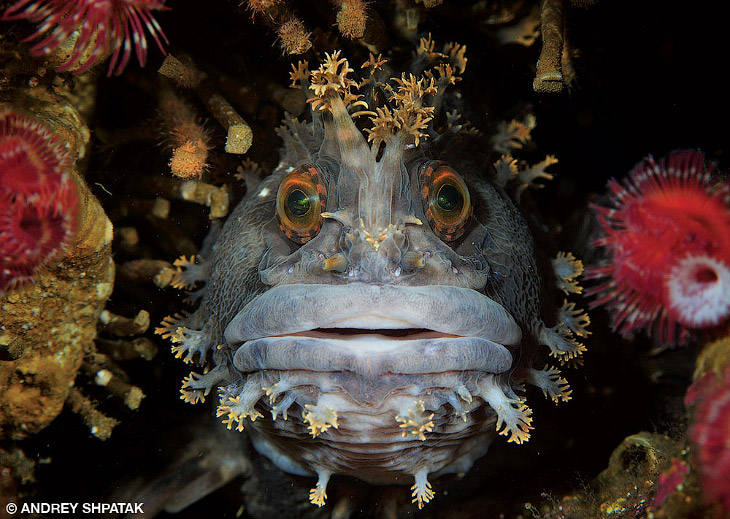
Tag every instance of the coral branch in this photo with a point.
(120, 349)
(100, 425)
(549, 75)
(145, 270)
(124, 326)
(239, 133)
(216, 198)
(186, 134)
(105, 373)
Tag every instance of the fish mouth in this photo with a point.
(373, 330)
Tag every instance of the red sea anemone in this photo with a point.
(710, 435)
(29, 156)
(100, 27)
(667, 239)
(37, 199)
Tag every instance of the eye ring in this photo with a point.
(446, 200)
(300, 202)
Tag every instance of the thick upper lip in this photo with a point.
(373, 329)
(290, 309)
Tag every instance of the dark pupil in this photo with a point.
(298, 202)
(449, 198)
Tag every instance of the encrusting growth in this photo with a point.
(187, 136)
(351, 18)
(275, 14)
(55, 233)
(239, 135)
(709, 398)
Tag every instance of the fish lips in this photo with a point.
(297, 327)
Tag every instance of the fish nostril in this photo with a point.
(413, 260)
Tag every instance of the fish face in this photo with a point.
(372, 307)
(373, 347)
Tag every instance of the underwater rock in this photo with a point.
(48, 326)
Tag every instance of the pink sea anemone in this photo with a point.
(101, 27)
(667, 240)
(37, 199)
(710, 435)
(670, 480)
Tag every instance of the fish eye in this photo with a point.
(446, 200)
(300, 202)
(449, 198)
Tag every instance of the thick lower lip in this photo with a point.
(373, 355)
(373, 330)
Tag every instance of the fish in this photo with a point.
(375, 305)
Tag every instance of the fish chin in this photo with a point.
(382, 376)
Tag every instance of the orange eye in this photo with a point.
(300, 202)
(446, 200)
